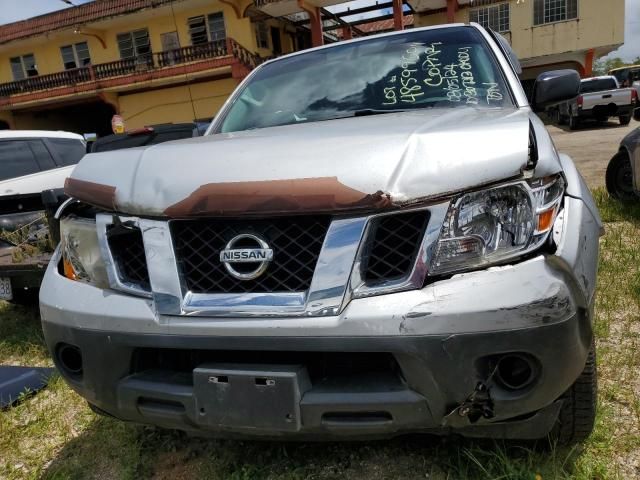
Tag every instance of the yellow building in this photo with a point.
(545, 34)
(151, 61)
(162, 61)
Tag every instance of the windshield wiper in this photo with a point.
(372, 111)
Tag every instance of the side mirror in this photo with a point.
(555, 87)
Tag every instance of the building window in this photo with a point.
(23, 66)
(216, 26)
(262, 35)
(17, 159)
(75, 56)
(134, 44)
(549, 11)
(495, 17)
(211, 30)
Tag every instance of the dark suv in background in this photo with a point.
(151, 135)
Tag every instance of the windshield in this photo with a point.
(597, 85)
(626, 76)
(442, 68)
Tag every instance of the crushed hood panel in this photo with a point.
(355, 163)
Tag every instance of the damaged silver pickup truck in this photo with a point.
(374, 237)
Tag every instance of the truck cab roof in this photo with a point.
(8, 134)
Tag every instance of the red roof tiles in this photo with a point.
(384, 25)
(69, 17)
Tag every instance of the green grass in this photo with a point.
(54, 435)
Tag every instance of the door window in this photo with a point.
(16, 159)
(275, 41)
(66, 150)
(170, 41)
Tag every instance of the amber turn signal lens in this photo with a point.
(69, 272)
(545, 220)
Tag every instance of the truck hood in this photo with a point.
(354, 163)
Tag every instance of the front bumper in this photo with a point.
(424, 352)
(437, 374)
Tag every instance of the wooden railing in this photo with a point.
(128, 66)
(192, 53)
(43, 82)
(244, 56)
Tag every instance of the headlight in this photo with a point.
(81, 257)
(497, 224)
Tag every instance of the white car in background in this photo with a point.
(35, 160)
(31, 162)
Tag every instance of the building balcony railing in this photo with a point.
(192, 53)
(135, 65)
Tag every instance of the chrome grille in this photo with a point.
(392, 246)
(296, 242)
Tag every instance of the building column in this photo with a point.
(110, 98)
(452, 7)
(315, 18)
(398, 24)
(346, 33)
(588, 63)
(6, 119)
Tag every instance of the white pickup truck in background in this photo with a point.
(600, 99)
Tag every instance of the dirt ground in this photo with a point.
(591, 147)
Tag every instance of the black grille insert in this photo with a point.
(392, 246)
(296, 244)
(320, 365)
(127, 250)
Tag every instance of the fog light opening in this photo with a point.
(70, 359)
(515, 372)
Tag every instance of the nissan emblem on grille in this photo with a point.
(261, 256)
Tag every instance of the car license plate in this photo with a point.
(250, 396)
(5, 289)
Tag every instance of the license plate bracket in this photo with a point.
(263, 397)
(6, 293)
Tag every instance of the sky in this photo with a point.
(13, 10)
(631, 48)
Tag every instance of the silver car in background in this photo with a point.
(375, 237)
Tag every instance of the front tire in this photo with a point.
(624, 119)
(619, 177)
(26, 298)
(578, 413)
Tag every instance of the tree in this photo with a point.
(604, 66)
